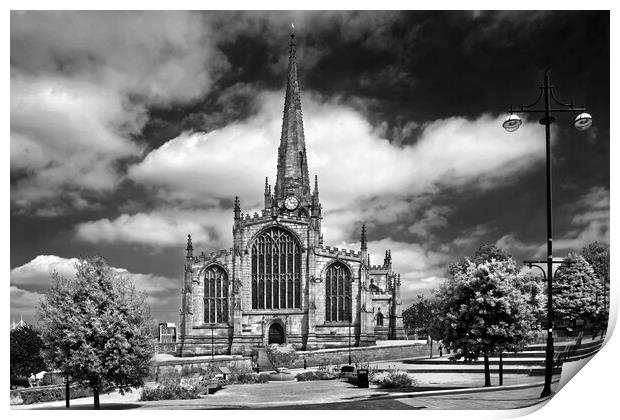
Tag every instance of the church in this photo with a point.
(279, 283)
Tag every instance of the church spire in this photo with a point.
(190, 248)
(292, 177)
(363, 239)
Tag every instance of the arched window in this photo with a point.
(216, 295)
(276, 270)
(337, 293)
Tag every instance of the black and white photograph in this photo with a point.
(307, 209)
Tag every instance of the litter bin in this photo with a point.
(362, 378)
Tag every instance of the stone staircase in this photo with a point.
(529, 361)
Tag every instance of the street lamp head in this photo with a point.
(583, 121)
(512, 123)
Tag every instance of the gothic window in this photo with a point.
(337, 293)
(216, 295)
(276, 270)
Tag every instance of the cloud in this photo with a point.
(432, 218)
(513, 245)
(81, 83)
(590, 223)
(29, 282)
(420, 267)
(470, 236)
(164, 227)
(61, 137)
(23, 303)
(354, 164)
(591, 220)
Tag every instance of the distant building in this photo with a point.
(279, 283)
(166, 338)
(167, 332)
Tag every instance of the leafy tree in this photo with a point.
(96, 327)
(481, 311)
(575, 291)
(533, 287)
(597, 255)
(26, 345)
(281, 356)
(484, 254)
(420, 315)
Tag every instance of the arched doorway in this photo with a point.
(276, 333)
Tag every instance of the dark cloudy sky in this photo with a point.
(130, 130)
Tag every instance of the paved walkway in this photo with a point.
(334, 394)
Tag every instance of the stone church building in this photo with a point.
(279, 283)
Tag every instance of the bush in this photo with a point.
(314, 375)
(393, 379)
(171, 389)
(20, 381)
(281, 356)
(47, 393)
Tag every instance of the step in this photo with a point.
(492, 361)
(523, 370)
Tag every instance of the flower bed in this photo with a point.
(392, 379)
(172, 389)
(314, 375)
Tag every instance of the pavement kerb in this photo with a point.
(461, 391)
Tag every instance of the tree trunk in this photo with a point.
(96, 396)
(67, 391)
(501, 369)
(487, 371)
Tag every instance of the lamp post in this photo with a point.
(582, 122)
(349, 339)
(212, 348)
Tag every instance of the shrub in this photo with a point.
(281, 356)
(245, 375)
(20, 381)
(47, 393)
(392, 379)
(314, 375)
(171, 389)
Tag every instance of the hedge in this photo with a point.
(46, 393)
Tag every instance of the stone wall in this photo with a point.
(194, 365)
(363, 354)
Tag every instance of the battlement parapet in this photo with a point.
(335, 251)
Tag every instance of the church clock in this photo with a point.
(291, 203)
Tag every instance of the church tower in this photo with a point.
(292, 192)
(279, 283)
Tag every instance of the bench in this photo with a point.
(215, 384)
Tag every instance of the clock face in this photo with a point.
(291, 203)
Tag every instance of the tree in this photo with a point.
(484, 254)
(575, 290)
(95, 327)
(533, 287)
(419, 316)
(480, 311)
(597, 255)
(281, 356)
(26, 346)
